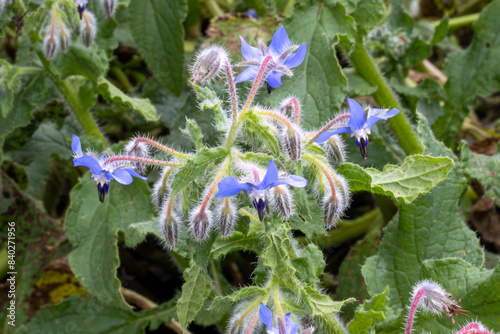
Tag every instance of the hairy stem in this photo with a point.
(214, 184)
(413, 310)
(334, 121)
(263, 71)
(161, 147)
(277, 116)
(232, 89)
(459, 22)
(141, 160)
(400, 124)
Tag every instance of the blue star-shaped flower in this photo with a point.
(359, 124)
(229, 186)
(102, 174)
(81, 5)
(280, 49)
(289, 327)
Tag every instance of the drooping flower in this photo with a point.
(102, 173)
(359, 124)
(80, 5)
(281, 51)
(230, 186)
(286, 327)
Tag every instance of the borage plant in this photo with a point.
(267, 159)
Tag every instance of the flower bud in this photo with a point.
(138, 149)
(291, 109)
(331, 210)
(50, 46)
(169, 225)
(201, 223)
(88, 28)
(109, 7)
(293, 142)
(227, 217)
(65, 37)
(209, 63)
(282, 200)
(335, 148)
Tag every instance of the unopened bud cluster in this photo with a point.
(209, 64)
(59, 36)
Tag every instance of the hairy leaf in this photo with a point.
(158, 31)
(471, 73)
(92, 229)
(370, 313)
(416, 233)
(111, 92)
(195, 290)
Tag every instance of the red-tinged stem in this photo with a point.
(214, 185)
(161, 147)
(326, 171)
(53, 25)
(297, 110)
(472, 328)
(142, 160)
(413, 309)
(263, 71)
(334, 121)
(232, 89)
(275, 115)
(252, 324)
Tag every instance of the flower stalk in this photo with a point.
(142, 160)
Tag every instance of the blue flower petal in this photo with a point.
(249, 52)
(270, 178)
(297, 58)
(274, 79)
(291, 327)
(326, 135)
(229, 186)
(88, 162)
(292, 180)
(76, 146)
(248, 73)
(122, 176)
(266, 316)
(383, 115)
(134, 173)
(358, 115)
(280, 42)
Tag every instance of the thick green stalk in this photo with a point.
(74, 101)
(400, 124)
(459, 22)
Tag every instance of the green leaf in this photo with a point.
(416, 233)
(196, 166)
(441, 30)
(320, 304)
(318, 82)
(357, 85)
(158, 31)
(92, 229)
(194, 132)
(368, 14)
(32, 97)
(195, 290)
(208, 99)
(370, 313)
(236, 241)
(309, 264)
(417, 175)
(87, 315)
(79, 60)
(278, 255)
(142, 106)
(475, 288)
(471, 73)
(486, 169)
(249, 292)
(255, 124)
(9, 84)
(350, 280)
